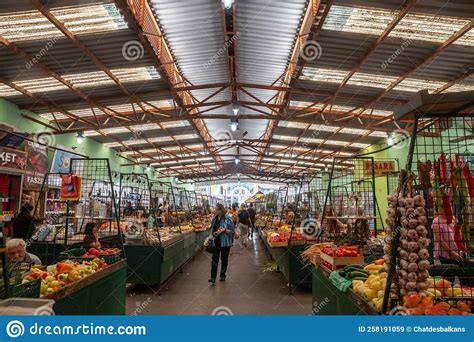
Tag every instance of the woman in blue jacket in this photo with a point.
(222, 228)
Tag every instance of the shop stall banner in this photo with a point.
(12, 159)
(257, 328)
(37, 157)
(381, 168)
(36, 167)
(62, 160)
(33, 181)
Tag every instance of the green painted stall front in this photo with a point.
(290, 264)
(104, 296)
(144, 264)
(328, 300)
(153, 265)
(200, 239)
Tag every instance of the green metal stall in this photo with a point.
(329, 300)
(290, 264)
(154, 265)
(102, 293)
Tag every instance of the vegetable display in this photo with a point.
(64, 273)
(95, 253)
(412, 266)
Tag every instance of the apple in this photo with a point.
(62, 276)
(54, 284)
(49, 279)
(44, 289)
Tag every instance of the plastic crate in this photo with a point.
(72, 253)
(26, 307)
(77, 253)
(30, 289)
(112, 258)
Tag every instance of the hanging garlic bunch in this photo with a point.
(412, 250)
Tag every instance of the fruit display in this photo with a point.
(284, 237)
(334, 257)
(372, 288)
(150, 237)
(283, 229)
(167, 235)
(439, 287)
(341, 251)
(312, 253)
(412, 251)
(276, 238)
(186, 227)
(198, 225)
(423, 304)
(96, 253)
(63, 273)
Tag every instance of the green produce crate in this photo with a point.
(72, 253)
(76, 254)
(30, 289)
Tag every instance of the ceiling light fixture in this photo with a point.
(80, 137)
(237, 160)
(234, 125)
(235, 110)
(148, 168)
(389, 140)
(227, 3)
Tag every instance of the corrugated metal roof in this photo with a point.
(265, 37)
(267, 33)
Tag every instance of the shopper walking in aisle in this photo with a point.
(243, 224)
(23, 227)
(252, 216)
(233, 213)
(223, 230)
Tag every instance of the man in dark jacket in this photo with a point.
(252, 216)
(23, 227)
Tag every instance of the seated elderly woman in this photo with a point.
(16, 251)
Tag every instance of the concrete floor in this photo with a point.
(247, 290)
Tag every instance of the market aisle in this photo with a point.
(247, 291)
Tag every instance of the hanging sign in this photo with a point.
(381, 168)
(33, 181)
(12, 159)
(62, 160)
(37, 157)
(36, 167)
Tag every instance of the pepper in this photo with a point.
(469, 179)
(442, 168)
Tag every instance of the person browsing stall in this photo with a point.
(91, 238)
(23, 226)
(445, 248)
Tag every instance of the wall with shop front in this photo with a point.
(12, 115)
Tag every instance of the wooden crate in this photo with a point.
(278, 244)
(337, 262)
